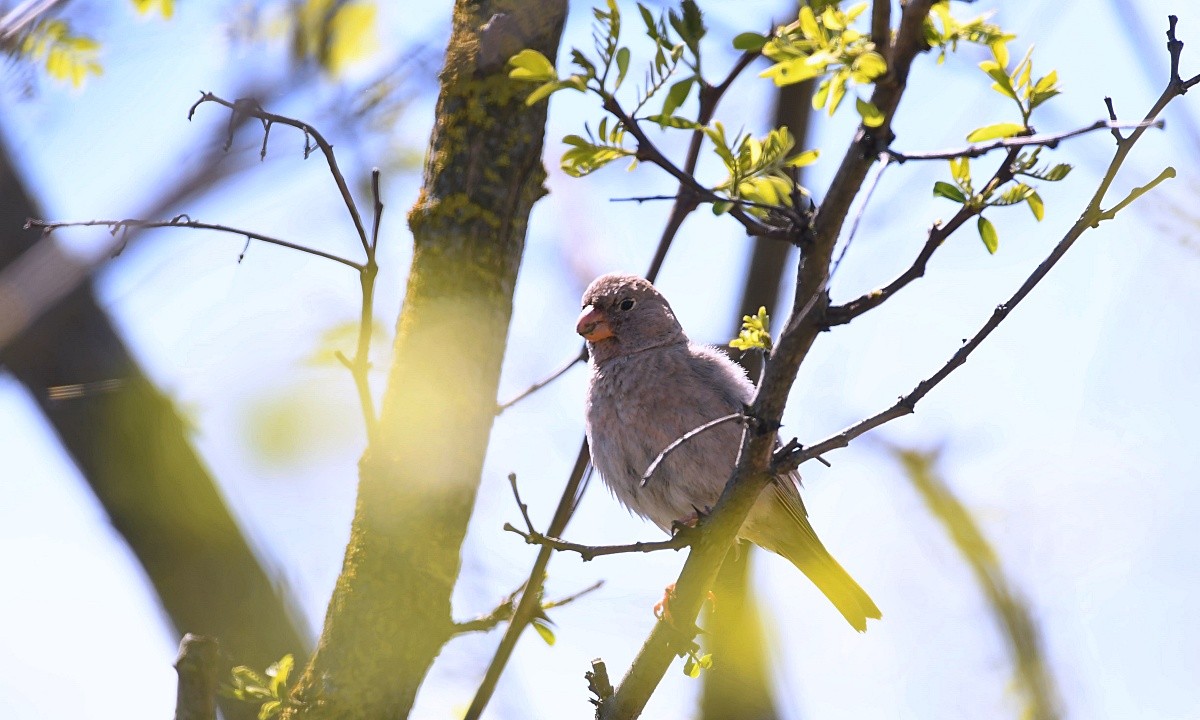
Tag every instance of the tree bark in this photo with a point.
(390, 612)
(739, 683)
(133, 450)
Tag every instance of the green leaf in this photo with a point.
(1058, 172)
(808, 157)
(992, 132)
(531, 66)
(948, 191)
(691, 668)
(868, 66)
(677, 95)
(1036, 206)
(960, 170)
(543, 629)
(270, 709)
(622, 65)
(871, 116)
(987, 233)
(279, 672)
(808, 24)
(1000, 52)
(706, 661)
(721, 207)
(749, 42)
(674, 121)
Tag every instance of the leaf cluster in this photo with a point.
(755, 333)
(268, 691)
(823, 46)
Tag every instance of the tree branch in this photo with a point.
(504, 611)
(685, 203)
(1050, 140)
(253, 109)
(116, 226)
(580, 357)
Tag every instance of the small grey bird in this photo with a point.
(649, 386)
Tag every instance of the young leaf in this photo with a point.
(987, 233)
(1036, 206)
(543, 629)
(960, 170)
(871, 116)
(691, 668)
(992, 132)
(674, 121)
(948, 191)
(622, 65)
(677, 95)
(808, 157)
(531, 66)
(749, 42)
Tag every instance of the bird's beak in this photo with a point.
(593, 325)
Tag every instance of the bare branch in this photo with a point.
(253, 109)
(1046, 140)
(677, 442)
(184, 221)
(504, 611)
(678, 541)
(862, 209)
(581, 357)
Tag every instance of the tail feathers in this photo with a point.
(831, 579)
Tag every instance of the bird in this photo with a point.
(649, 385)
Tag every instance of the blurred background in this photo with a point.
(1068, 436)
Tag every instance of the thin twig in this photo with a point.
(183, 221)
(1045, 140)
(677, 442)
(504, 611)
(580, 357)
(678, 541)
(253, 109)
(858, 216)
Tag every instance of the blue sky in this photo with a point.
(1068, 434)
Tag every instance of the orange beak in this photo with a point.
(593, 325)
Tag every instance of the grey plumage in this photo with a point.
(649, 386)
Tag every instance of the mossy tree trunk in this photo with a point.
(390, 612)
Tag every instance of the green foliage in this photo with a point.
(1017, 85)
(269, 692)
(758, 168)
(67, 56)
(586, 155)
(544, 630)
(695, 664)
(944, 32)
(335, 34)
(825, 46)
(755, 332)
(166, 8)
(995, 194)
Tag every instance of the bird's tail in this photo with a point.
(831, 579)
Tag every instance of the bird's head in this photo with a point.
(624, 314)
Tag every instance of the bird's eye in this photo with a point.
(627, 304)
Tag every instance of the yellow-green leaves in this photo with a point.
(758, 169)
(335, 36)
(824, 46)
(531, 66)
(993, 132)
(1017, 85)
(67, 57)
(270, 691)
(755, 332)
(693, 666)
(943, 31)
(165, 7)
(987, 233)
(586, 155)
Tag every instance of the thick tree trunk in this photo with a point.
(133, 450)
(390, 612)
